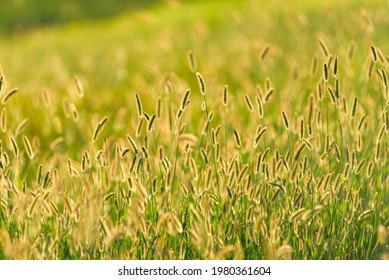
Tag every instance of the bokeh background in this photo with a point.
(19, 16)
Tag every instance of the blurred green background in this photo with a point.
(116, 48)
(22, 15)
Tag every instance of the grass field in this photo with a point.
(197, 130)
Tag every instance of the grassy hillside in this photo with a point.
(20, 16)
(279, 149)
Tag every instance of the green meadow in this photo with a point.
(194, 130)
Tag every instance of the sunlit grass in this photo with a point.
(117, 146)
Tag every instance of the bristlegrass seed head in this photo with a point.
(138, 105)
(323, 48)
(201, 82)
(248, 103)
(237, 139)
(373, 53)
(285, 120)
(325, 72)
(192, 61)
(354, 107)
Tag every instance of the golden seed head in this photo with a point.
(192, 61)
(354, 107)
(259, 106)
(325, 72)
(323, 47)
(248, 103)
(28, 147)
(264, 52)
(237, 139)
(201, 82)
(8, 95)
(78, 85)
(268, 94)
(151, 122)
(185, 100)
(374, 53)
(302, 128)
(99, 128)
(225, 95)
(138, 105)
(384, 77)
(285, 119)
(332, 95)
